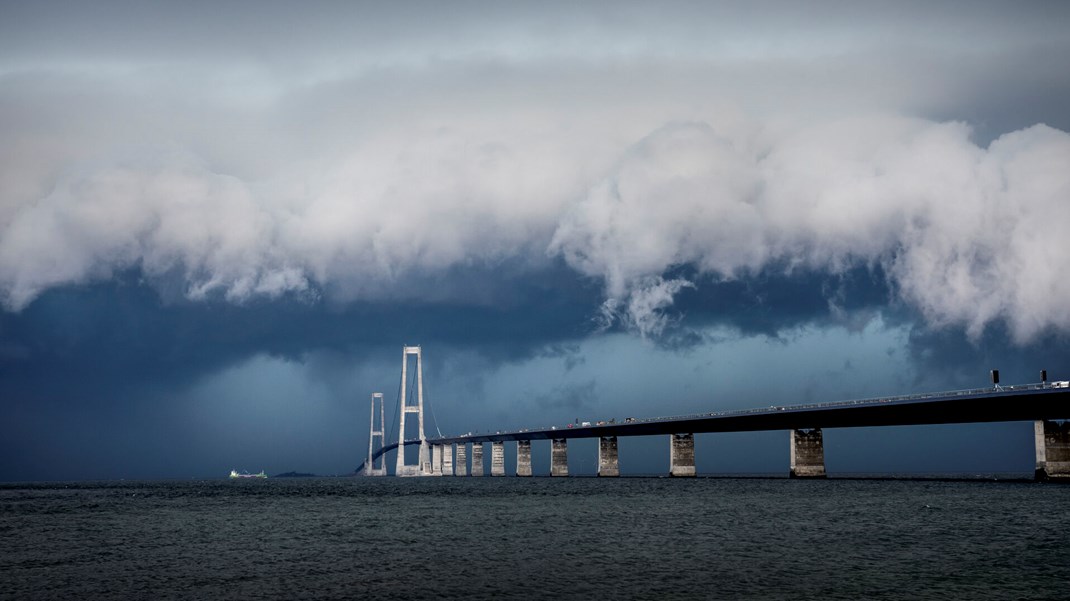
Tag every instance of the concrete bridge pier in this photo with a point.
(461, 467)
(559, 457)
(682, 455)
(436, 459)
(477, 459)
(523, 458)
(447, 460)
(807, 454)
(497, 458)
(608, 466)
(1052, 441)
(425, 460)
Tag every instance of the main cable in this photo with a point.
(397, 413)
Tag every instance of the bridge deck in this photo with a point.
(1005, 404)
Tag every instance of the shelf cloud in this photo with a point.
(629, 148)
(218, 222)
(967, 234)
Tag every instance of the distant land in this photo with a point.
(308, 475)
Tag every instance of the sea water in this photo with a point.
(535, 538)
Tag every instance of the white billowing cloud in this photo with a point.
(412, 201)
(682, 195)
(999, 251)
(967, 234)
(375, 149)
(426, 199)
(160, 216)
(643, 311)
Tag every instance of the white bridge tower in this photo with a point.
(369, 465)
(423, 468)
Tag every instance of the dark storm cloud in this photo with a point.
(776, 300)
(208, 206)
(110, 338)
(572, 396)
(962, 232)
(89, 373)
(119, 339)
(413, 140)
(946, 355)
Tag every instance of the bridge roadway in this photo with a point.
(1029, 402)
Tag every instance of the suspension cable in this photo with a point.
(433, 418)
(397, 414)
(412, 388)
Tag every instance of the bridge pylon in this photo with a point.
(369, 465)
(423, 468)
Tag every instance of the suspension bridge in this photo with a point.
(1046, 404)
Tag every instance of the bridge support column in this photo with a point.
(682, 455)
(461, 467)
(807, 454)
(497, 458)
(447, 460)
(559, 457)
(436, 459)
(608, 467)
(425, 459)
(523, 458)
(477, 459)
(1052, 441)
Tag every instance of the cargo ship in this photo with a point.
(235, 474)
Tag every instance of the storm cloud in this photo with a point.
(966, 234)
(188, 189)
(618, 154)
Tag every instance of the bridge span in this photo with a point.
(1045, 404)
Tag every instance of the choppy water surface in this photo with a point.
(495, 538)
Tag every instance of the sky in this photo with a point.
(220, 223)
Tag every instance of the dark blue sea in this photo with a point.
(536, 538)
